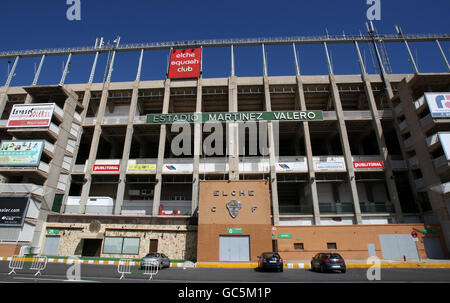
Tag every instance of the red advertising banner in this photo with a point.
(106, 167)
(185, 63)
(368, 164)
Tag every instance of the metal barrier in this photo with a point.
(39, 263)
(16, 262)
(151, 268)
(124, 267)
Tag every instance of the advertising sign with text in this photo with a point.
(185, 63)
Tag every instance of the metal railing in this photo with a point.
(124, 267)
(225, 42)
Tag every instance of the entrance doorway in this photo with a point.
(92, 248)
(153, 245)
(234, 248)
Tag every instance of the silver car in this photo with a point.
(155, 259)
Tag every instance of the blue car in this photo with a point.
(270, 260)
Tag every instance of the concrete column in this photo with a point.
(389, 175)
(94, 148)
(161, 150)
(85, 105)
(197, 150)
(233, 131)
(126, 150)
(390, 96)
(273, 157)
(309, 153)
(342, 130)
(55, 167)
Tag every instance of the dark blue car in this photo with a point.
(270, 260)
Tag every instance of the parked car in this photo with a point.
(328, 262)
(155, 259)
(270, 260)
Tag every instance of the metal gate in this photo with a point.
(51, 245)
(234, 248)
(396, 247)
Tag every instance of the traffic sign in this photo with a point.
(414, 234)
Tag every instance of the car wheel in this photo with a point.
(312, 267)
(344, 270)
(280, 269)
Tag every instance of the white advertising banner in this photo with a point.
(329, 163)
(178, 168)
(444, 138)
(292, 166)
(31, 115)
(439, 104)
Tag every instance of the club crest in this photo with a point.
(233, 207)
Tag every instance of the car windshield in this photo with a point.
(332, 256)
(271, 255)
(152, 255)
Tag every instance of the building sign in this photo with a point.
(13, 210)
(444, 138)
(368, 164)
(328, 163)
(439, 104)
(185, 63)
(284, 236)
(178, 168)
(20, 153)
(52, 231)
(106, 166)
(235, 117)
(234, 230)
(31, 115)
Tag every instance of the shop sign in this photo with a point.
(236, 230)
(329, 163)
(235, 117)
(20, 153)
(31, 115)
(141, 167)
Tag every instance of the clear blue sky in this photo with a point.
(31, 24)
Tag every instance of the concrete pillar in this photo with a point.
(85, 105)
(55, 167)
(233, 131)
(273, 157)
(161, 150)
(301, 104)
(376, 121)
(126, 150)
(342, 130)
(197, 150)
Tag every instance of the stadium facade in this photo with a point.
(352, 163)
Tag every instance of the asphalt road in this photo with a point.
(64, 273)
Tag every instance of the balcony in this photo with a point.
(419, 104)
(426, 122)
(403, 126)
(21, 189)
(408, 143)
(336, 208)
(441, 162)
(432, 141)
(376, 207)
(398, 110)
(296, 209)
(419, 183)
(42, 170)
(413, 162)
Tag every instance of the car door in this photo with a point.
(165, 260)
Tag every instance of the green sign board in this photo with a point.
(284, 236)
(234, 230)
(235, 117)
(52, 231)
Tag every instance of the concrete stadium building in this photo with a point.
(351, 163)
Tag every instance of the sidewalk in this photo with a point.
(294, 264)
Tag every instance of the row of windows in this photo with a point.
(300, 246)
(120, 245)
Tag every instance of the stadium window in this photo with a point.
(331, 246)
